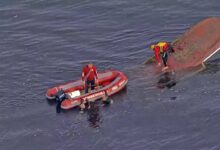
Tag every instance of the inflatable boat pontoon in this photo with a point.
(109, 83)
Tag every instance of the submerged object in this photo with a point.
(166, 79)
(109, 83)
(196, 45)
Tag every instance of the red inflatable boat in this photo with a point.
(109, 83)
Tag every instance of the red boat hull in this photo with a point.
(197, 45)
(110, 82)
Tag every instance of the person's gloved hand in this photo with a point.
(158, 64)
(84, 83)
(96, 82)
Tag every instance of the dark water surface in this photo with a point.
(45, 43)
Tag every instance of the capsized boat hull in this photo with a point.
(196, 45)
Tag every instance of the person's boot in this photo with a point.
(165, 68)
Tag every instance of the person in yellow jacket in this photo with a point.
(161, 49)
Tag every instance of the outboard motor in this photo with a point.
(60, 96)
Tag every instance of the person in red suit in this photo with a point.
(162, 49)
(89, 76)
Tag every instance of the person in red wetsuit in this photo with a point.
(162, 49)
(89, 76)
